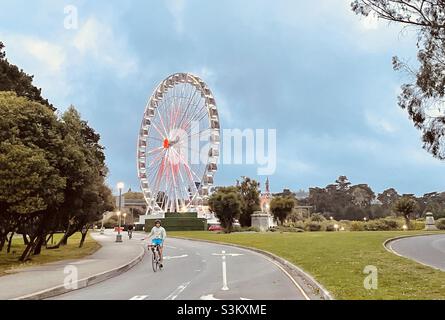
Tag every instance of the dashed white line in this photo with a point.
(177, 291)
(139, 298)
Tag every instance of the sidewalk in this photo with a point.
(48, 280)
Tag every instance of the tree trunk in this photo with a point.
(407, 221)
(10, 243)
(82, 240)
(51, 237)
(25, 239)
(2, 241)
(38, 244)
(28, 250)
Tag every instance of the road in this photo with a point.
(193, 271)
(429, 250)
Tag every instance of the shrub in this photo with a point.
(416, 225)
(357, 226)
(381, 225)
(313, 226)
(440, 224)
(317, 217)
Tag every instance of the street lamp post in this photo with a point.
(120, 186)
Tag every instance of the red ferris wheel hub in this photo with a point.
(166, 144)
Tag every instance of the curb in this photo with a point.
(296, 274)
(387, 246)
(83, 283)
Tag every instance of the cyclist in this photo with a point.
(130, 231)
(159, 235)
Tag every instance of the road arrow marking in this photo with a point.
(228, 254)
(139, 298)
(176, 257)
(208, 297)
(223, 254)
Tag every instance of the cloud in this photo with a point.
(52, 55)
(380, 124)
(99, 41)
(176, 9)
(46, 60)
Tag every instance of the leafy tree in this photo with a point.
(388, 197)
(362, 195)
(281, 207)
(405, 207)
(423, 97)
(250, 197)
(343, 183)
(83, 164)
(14, 79)
(226, 203)
(29, 131)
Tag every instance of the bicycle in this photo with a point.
(155, 257)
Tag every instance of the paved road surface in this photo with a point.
(429, 250)
(193, 272)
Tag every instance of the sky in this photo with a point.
(313, 70)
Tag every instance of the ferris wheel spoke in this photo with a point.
(202, 112)
(155, 150)
(185, 163)
(191, 107)
(190, 98)
(157, 129)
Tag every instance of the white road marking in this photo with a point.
(177, 291)
(208, 297)
(170, 247)
(224, 266)
(139, 298)
(176, 257)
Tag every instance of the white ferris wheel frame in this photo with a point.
(200, 195)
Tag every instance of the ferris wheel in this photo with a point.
(178, 145)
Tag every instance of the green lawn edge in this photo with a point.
(9, 262)
(337, 260)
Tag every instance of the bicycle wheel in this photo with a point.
(155, 260)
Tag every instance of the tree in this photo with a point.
(343, 183)
(405, 207)
(388, 197)
(362, 195)
(226, 203)
(424, 96)
(281, 207)
(250, 197)
(29, 137)
(83, 164)
(14, 79)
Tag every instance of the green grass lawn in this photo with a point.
(337, 261)
(10, 261)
